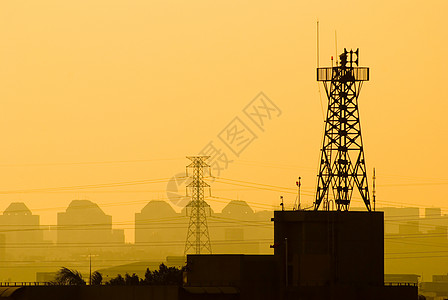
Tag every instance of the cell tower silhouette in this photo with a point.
(342, 163)
(197, 235)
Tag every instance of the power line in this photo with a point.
(87, 162)
(89, 186)
(135, 245)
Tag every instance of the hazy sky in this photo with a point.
(99, 92)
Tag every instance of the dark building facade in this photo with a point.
(330, 247)
(248, 276)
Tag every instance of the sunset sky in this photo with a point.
(103, 93)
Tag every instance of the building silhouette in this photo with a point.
(239, 229)
(84, 224)
(19, 225)
(21, 239)
(435, 289)
(317, 255)
(413, 244)
(401, 220)
(20, 229)
(159, 230)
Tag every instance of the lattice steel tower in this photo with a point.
(197, 235)
(342, 164)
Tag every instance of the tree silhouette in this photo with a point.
(126, 280)
(97, 278)
(119, 280)
(164, 276)
(131, 279)
(66, 276)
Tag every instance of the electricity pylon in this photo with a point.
(342, 165)
(197, 235)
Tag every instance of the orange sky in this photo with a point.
(138, 85)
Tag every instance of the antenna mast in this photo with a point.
(336, 46)
(317, 41)
(342, 164)
(374, 190)
(299, 184)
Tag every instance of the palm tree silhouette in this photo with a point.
(65, 276)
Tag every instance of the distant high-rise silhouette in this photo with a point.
(342, 165)
(158, 224)
(19, 228)
(84, 222)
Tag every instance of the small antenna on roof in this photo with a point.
(317, 41)
(374, 191)
(318, 63)
(336, 45)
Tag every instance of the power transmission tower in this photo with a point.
(197, 235)
(342, 165)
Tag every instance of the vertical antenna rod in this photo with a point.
(197, 235)
(336, 46)
(317, 41)
(299, 184)
(318, 63)
(373, 190)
